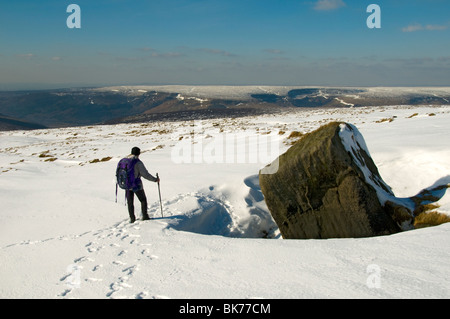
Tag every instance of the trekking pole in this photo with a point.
(159, 191)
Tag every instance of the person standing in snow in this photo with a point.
(139, 171)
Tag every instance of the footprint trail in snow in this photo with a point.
(114, 257)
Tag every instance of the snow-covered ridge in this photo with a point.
(122, 104)
(182, 98)
(242, 92)
(229, 92)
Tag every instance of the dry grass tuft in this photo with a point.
(390, 120)
(296, 134)
(104, 159)
(429, 218)
(45, 154)
(294, 137)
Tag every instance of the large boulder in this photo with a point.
(327, 186)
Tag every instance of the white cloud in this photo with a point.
(435, 27)
(146, 49)
(428, 27)
(412, 28)
(27, 56)
(274, 51)
(218, 52)
(167, 55)
(326, 5)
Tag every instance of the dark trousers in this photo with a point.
(130, 201)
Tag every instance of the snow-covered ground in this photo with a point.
(64, 236)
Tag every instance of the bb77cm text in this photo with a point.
(238, 308)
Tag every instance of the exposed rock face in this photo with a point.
(327, 186)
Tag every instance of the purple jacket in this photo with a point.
(141, 171)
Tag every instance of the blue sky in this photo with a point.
(224, 42)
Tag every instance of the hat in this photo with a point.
(136, 151)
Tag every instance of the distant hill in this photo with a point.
(10, 124)
(90, 106)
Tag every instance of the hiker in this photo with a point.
(139, 171)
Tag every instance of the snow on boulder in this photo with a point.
(401, 210)
(327, 186)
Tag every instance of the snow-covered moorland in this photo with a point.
(64, 236)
